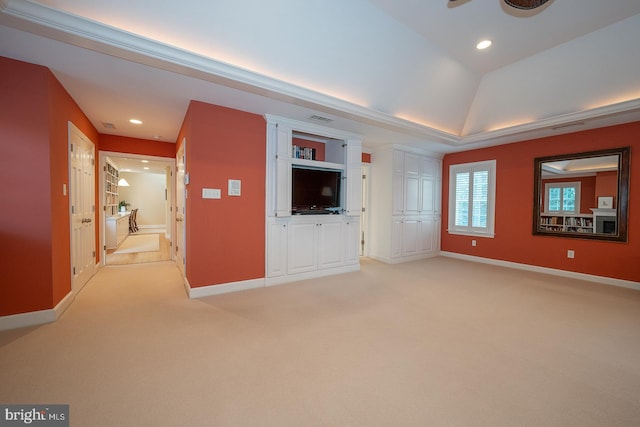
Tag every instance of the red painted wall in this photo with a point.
(145, 147)
(606, 186)
(225, 237)
(62, 110)
(34, 226)
(514, 240)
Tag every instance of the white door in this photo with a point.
(364, 218)
(82, 207)
(181, 199)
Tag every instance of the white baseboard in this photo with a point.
(224, 288)
(206, 291)
(35, 318)
(556, 272)
(400, 260)
(280, 280)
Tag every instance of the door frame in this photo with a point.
(71, 129)
(102, 159)
(366, 209)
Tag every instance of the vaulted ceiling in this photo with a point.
(404, 72)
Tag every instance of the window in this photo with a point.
(472, 188)
(562, 197)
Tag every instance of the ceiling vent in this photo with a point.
(107, 125)
(320, 119)
(568, 125)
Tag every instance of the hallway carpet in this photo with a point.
(439, 342)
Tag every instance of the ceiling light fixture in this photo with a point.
(483, 44)
(525, 4)
(518, 4)
(123, 183)
(144, 161)
(135, 121)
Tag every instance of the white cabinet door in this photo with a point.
(351, 236)
(411, 184)
(396, 238)
(425, 235)
(397, 189)
(303, 247)
(410, 228)
(427, 199)
(353, 200)
(329, 244)
(412, 194)
(276, 249)
(283, 171)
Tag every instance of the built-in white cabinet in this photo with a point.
(302, 244)
(308, 246)
(405, 208)
(117, 229)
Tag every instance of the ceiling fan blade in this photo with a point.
(525, 4)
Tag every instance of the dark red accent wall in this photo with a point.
(34, 225)
(514, 241)
(225, 237)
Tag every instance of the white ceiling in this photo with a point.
(394, 71)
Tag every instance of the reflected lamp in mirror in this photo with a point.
(582, 195)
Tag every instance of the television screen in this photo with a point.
(314, 190)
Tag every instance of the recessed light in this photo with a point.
(145, 168)
(144, 161)
(135, 121)
(483, 44)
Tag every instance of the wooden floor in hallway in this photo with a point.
(163, 254)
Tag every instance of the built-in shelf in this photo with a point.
(581, 223)
(111, 190)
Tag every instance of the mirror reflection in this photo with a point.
(582, 195)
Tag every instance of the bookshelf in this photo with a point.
(581, 223)
(111, 190)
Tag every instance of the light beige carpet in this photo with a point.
(139, 243)
(440, 342)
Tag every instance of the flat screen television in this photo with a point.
(315, 191)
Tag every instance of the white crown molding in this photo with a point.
(556, 121)
(49, 22)
(101, 38)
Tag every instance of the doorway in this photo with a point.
(137, 194)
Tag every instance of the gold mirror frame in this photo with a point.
(622, 196)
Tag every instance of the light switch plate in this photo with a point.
(234, 187)
(211, 193)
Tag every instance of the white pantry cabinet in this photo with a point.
(405, 208)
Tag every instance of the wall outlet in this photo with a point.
(570, 254)
(210, 193)
(473, 243)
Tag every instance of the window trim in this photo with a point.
(562, 184)
(489, 230)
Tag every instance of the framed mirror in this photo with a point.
(582, 195)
